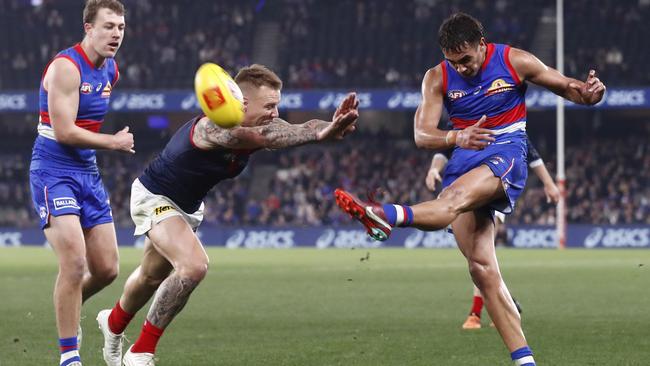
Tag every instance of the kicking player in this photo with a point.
(551, 191)
(482, 85)
(166, 205)
(67, 190)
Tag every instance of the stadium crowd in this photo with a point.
(605, 186)
(167, 40)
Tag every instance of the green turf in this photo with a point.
(401, 307)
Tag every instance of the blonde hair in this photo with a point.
(258, 75)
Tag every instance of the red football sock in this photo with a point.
(119, 319)
(477, 306)
(148, 339)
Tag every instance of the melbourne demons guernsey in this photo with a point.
(185, 173)
(495, 91)
(94, 95)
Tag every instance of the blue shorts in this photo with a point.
(506, 157)
(58, 192)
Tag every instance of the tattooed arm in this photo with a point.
(275, 135)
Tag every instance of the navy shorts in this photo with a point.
(506, 157)
(59, 192)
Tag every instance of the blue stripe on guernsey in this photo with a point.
(523, 357)
(495, 91)
(96, 84)
(398, 215)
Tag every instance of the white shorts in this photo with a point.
(148, 208)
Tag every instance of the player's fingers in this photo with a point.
(480, 121)
(594, 84)
(484, 131)
(125, 129)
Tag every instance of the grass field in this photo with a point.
(399, 307)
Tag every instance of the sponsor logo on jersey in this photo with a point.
(106, 93)
(65, 202)
(162, 209)
(499, 86)
(86, 88)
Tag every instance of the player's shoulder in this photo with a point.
(434, 79)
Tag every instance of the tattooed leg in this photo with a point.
(170, 299)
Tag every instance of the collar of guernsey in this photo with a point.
(496, 91)
(94, 95)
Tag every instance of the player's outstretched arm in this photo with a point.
(275, 135)
(529, 67)
(426, 132)
(62, 82)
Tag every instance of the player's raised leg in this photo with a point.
(474, 232)
(174, 239)
(139, 288)
(476, 188)
(65, 235)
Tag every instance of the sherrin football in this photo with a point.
(219, 96)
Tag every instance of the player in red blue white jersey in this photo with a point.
(482, 85)
(67, 189)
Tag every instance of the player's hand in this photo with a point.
(342, 125)
(474, 137)
(591, 91)
(552, 193)
(432, 176)
(123, 141)
(350, 102)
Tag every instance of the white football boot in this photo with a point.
(112, 349)
(138, 359)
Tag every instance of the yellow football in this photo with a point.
(219, 96)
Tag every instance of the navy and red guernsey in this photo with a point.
(94, 96)
(495, 91)
(185, 173)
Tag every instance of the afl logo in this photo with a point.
(86, 88)
(456, 94)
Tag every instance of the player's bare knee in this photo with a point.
(107, 274)
(483, 274)
(194, 271)
(73, 268)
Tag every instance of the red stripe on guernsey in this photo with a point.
(506, 58)
(513, 115)
(488, 56)
(86, 124)
(117, 74)
(81, 51)
(443, 65)
(59, 56)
